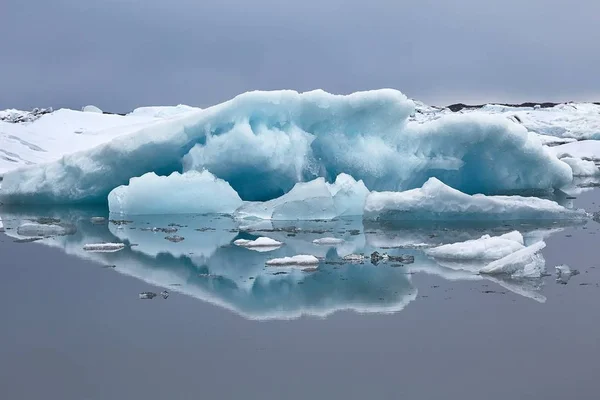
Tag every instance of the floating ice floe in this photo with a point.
(437, 201)
(263, 143)
(104, 247)
(581, 167)
(484, 248)
(525, 263)
(585, 149)
(564, 273)
(261, 244)
(328, 241)
(311, 201)
(192, 192)
(45, 230)
(301, 260)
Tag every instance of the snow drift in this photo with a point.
(263, 143)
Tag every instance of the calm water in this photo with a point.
(73, 327)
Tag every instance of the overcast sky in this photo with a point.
(120, 54)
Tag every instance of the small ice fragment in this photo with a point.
(45, 230)
(164, 294)
(147, 295)
(376, 257)
(404, 259)
(524, 263)
(175, 238)
(299, 260)
(328, 241)
(354, 258)
(97, 220)
(564, 273)
(104, 247)
(259, 242)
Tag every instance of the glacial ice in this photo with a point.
(484, 248)
(263, 143)
(262, 244)
(192, 192)
(300, 260)
(31, 229)
(581, 167)
(524, 263)
(438, 201)
(312, 200)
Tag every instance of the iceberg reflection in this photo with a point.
(208, 266)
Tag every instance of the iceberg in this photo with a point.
(312, 200)
(586, 149)
(484, 248)
(263, 143)
(438, 201)
(524, 263)
(192, 192)
(581, 167)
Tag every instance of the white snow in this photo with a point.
(581, 167)
(163, 111)
(437, 201)
(312, 200)
(524, 263)
(91, 109)
(548, 140)
(298, 260)
(263, 143)
(104, 247)
(192, 192)
(328, 241)
(484, 248)
(259, 244)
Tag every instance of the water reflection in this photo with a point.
(208, 266)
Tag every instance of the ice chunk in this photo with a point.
(263, 143)
(581, 167)
(311, 200)
(524, 263)
(189, 193)
(551, 141)
(147, 295)
(484, 248)
(262, 244)
(564, 273)
(104, 247)
(91, 109)
(328, 241)
(299, 260)
(437, 201)
(45, 230)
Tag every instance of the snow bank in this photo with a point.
(484, 248)
(189, 193)
(263, 143)
(437, 201)
(312, 200)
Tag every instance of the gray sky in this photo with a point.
(120, 54)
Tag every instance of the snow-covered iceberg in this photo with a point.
(263, 143)
(438, 201)
(525, 263)
(484, 248)
(312, 200)
(189, 193)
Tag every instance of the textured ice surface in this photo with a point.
(259, 244)
(43, 230)
(190, 193)
(300, 260)
(581, 167)
(437, 201)
(484, 248)
(585, 149)
(524, 263)
(312, 200)
(104, 247)
(328, 241)
(263, 143)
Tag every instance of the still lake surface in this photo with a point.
(73, 326)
